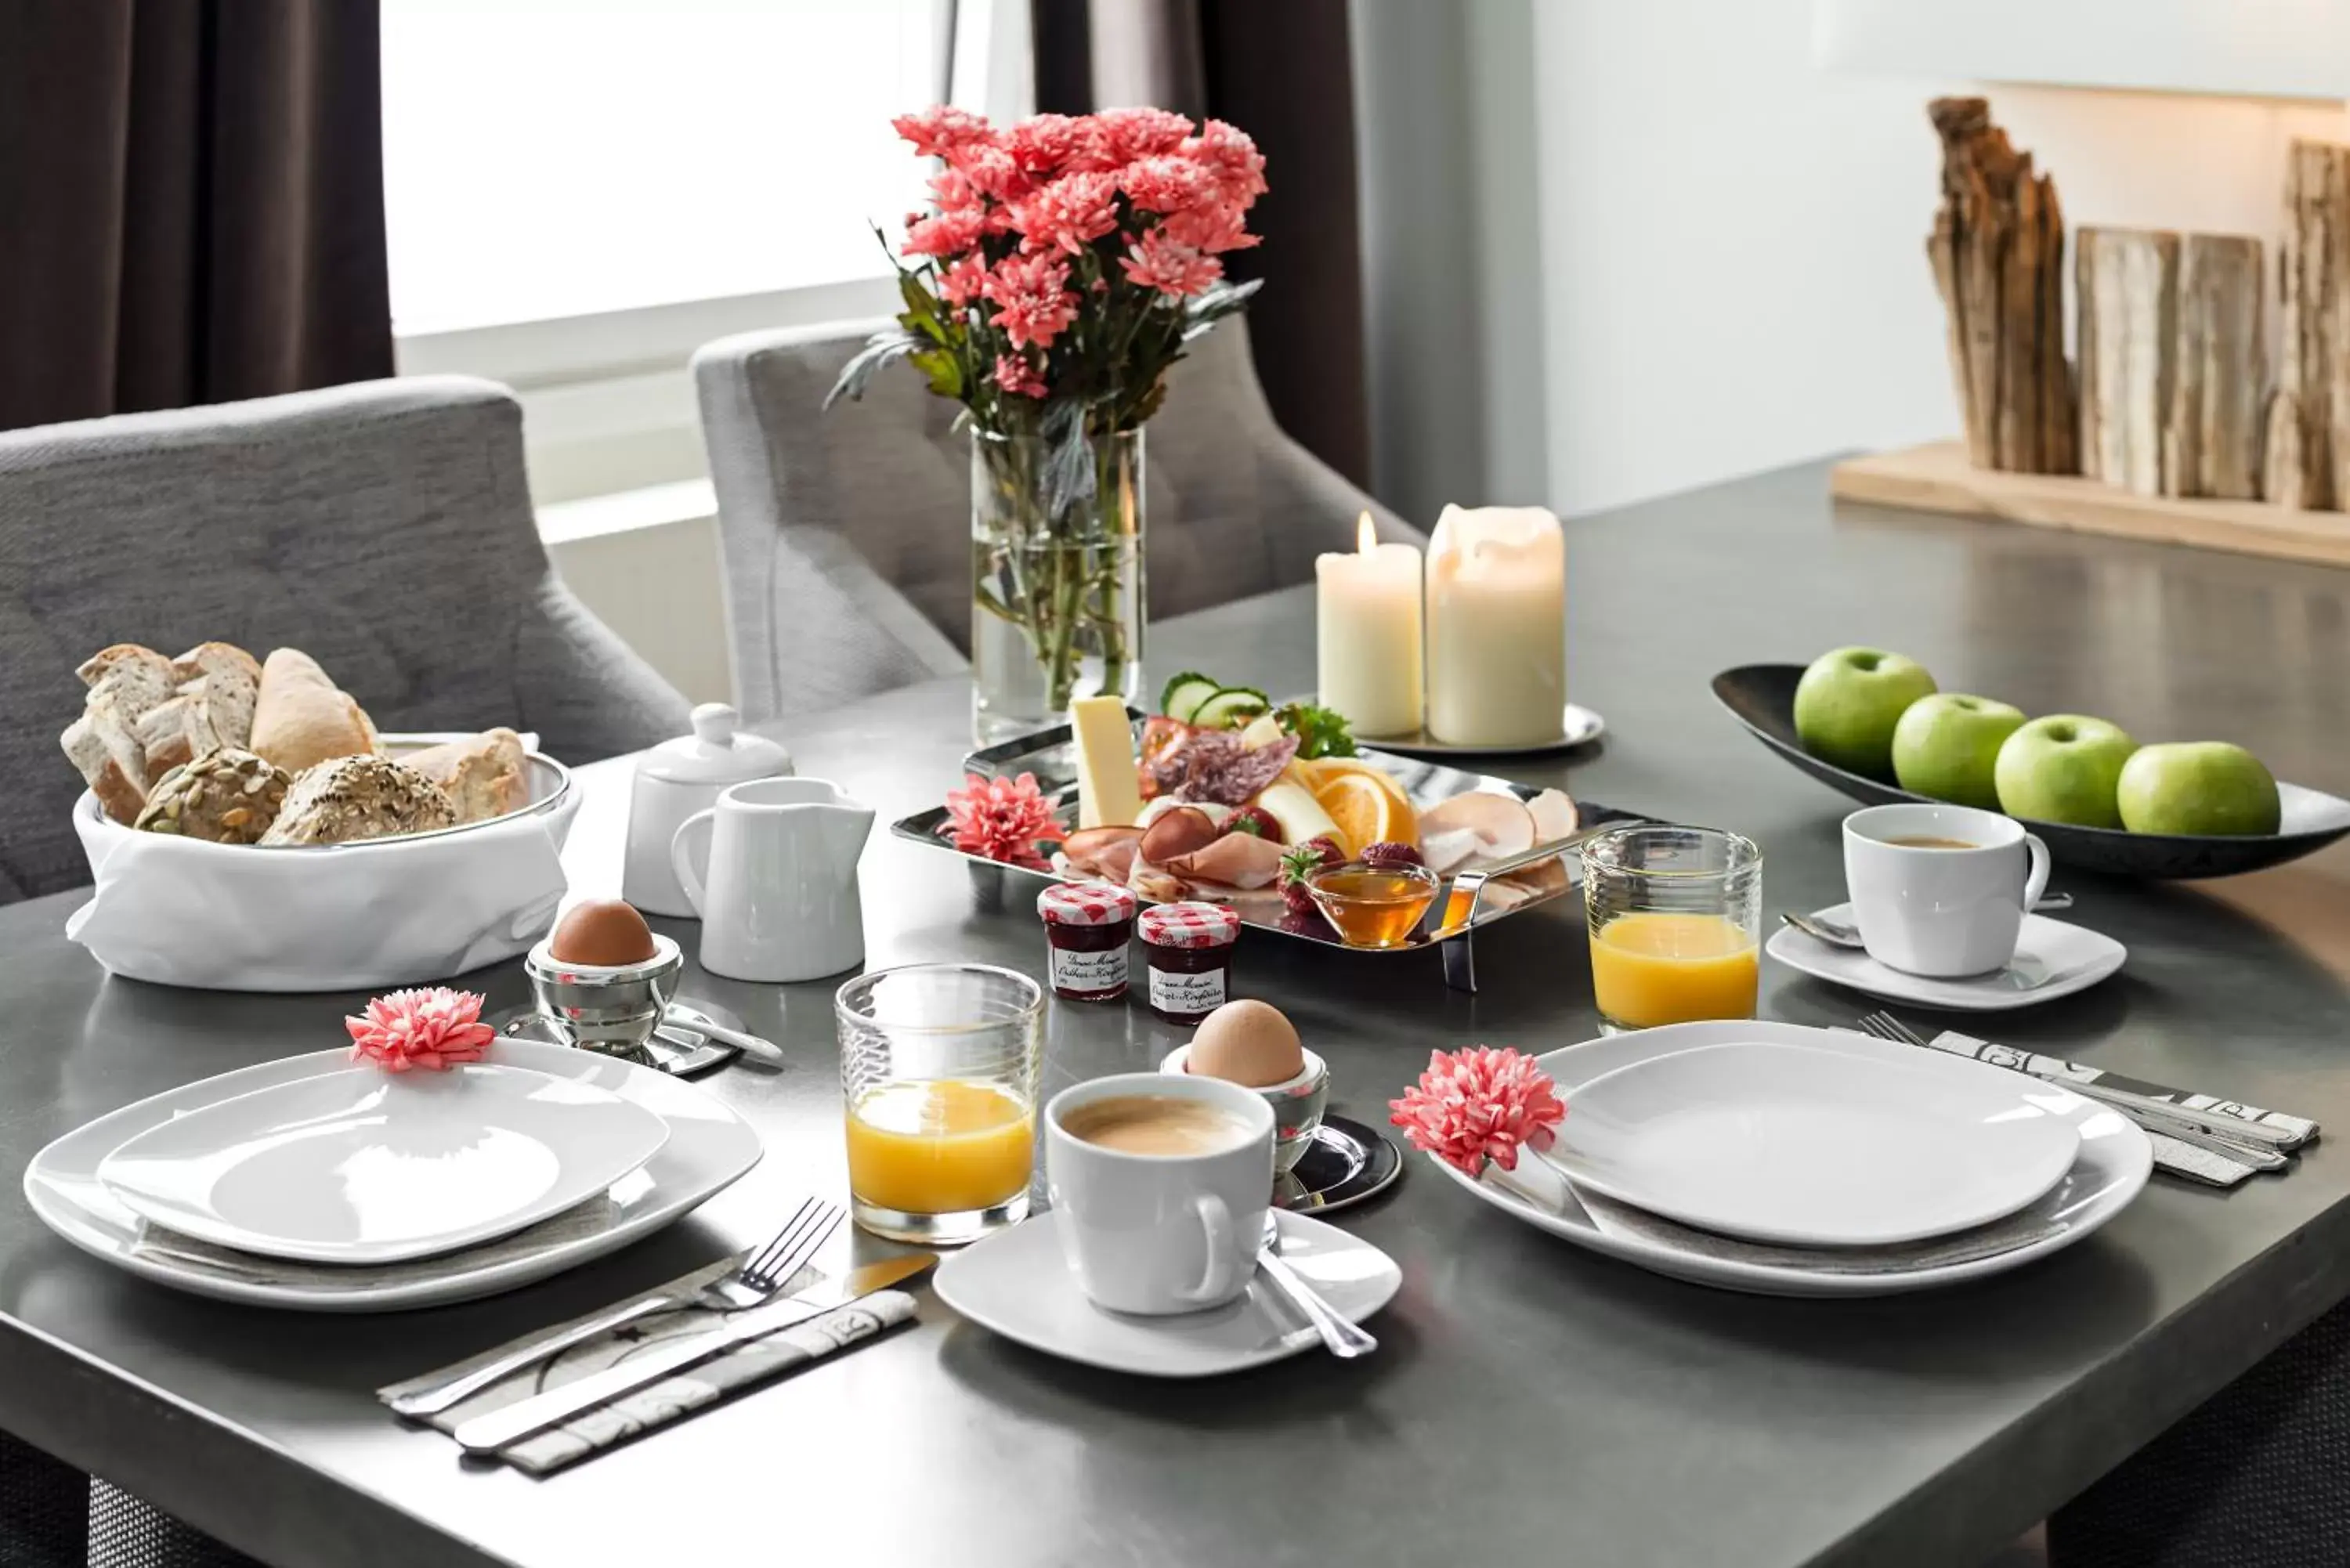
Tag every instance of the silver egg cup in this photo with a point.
(612, 1009)
(1299, 1104)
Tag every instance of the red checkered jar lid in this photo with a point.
(1086, 904)
(1189, 925)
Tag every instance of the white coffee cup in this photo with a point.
(1941, 912)
(1161, 1233)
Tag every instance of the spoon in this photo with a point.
(1838, 934)
(1339, 1337)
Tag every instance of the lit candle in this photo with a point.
(1366, 634)
(1497, 627)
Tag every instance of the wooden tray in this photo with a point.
(1939, 478)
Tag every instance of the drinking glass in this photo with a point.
(1676, 917)
(938, 1075)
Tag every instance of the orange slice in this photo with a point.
(1366, 811)
(1322, 771)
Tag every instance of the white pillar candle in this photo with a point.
(1366, 634)
(1497, 627)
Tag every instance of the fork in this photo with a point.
(2254, 1145)
(757, 1281)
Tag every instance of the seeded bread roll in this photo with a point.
(346, 799)
(224, 797)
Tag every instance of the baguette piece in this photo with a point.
(485, 776)
(345, 799)
(300, 718)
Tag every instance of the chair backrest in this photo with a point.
(384, 528)
(1233, 506)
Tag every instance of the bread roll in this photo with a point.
(485, 776)
(301, 719)
(348, 798)
(224, 797)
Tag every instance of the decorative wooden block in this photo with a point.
(2307, 463)
(1941, 478)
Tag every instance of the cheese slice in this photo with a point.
(1108, 792)
(1300, 814)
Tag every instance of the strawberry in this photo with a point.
(1257, 821)
(1300, 861)
(1308, 923)
(1386, 856)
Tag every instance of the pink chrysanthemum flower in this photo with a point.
(1042, 143)
(434, 1028)
(1032, 299)
(945, 234)
(960, 283)
(1158, 262)
(1017, 376)
(1217, 227)
(1128, 134)
(1067, 214)
(1478, 1104)
(1002, 819)
(993, 171)
(1227, 153)
(943, 129)
(1169, 184)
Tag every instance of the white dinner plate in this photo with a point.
(361, 1165)
(2111, 1169)
(1019, 1284)
(2055, 958)
(1788, 1143)
(710, 1148)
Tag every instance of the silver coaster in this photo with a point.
(1579, 726)
(676, 1047)
(1348, 1162)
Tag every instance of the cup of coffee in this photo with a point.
(1940, 890)
(1159, 1187)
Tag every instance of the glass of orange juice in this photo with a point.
(1676, 919)
(938, 1068)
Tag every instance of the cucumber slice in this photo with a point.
(1185, 694)
(1232, 708)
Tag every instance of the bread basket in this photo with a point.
(407, 910)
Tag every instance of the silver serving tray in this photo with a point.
(1051, 755)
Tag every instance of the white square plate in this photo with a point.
(709, 1148)
(361, 1165)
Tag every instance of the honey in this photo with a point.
(1374, 909)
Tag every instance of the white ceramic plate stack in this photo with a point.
(318, 1182)
(1785, 1161)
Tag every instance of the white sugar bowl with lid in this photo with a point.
(675, 780)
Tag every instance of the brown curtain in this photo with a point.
(1283, 71)
(190, 203)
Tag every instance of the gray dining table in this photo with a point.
(1530, 1401)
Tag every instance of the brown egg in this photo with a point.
(601, 933)
(1249, 1043)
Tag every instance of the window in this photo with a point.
(551, 159)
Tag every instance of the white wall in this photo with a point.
(1728, 238)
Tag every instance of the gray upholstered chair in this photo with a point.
(827, 514)
(386, 528)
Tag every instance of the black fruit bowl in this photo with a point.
(1762, 697)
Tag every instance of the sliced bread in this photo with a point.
(300, 718)
(104, 746)
(348, 798)
(212, 710)
(485, 776)
(136, 677)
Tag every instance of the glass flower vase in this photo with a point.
(1057, 578)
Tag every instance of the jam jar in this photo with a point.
(1087, 927)
(1188, 950)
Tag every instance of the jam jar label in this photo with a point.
(1187, 994)
(1103, 970)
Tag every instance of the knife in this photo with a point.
(488, 1433)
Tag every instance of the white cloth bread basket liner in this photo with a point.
(411, 911)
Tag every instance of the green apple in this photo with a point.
(1946, 744)
(1848, 701)
(2198, 786)
(2063, 768)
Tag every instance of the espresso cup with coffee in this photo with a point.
(1159, 1187)
(1940, 890)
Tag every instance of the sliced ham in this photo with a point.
(1236, 860)
(1108, 853)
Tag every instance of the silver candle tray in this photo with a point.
(1544, 873)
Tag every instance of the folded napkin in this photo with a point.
(2172, 1155)
(673, 1398)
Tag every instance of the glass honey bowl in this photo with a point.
(1373, 906)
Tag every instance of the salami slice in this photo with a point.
(1219, 769)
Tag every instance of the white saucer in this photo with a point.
(367, 1167)
(1782, 1142)
(1019, 1284)
(2080, 956)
